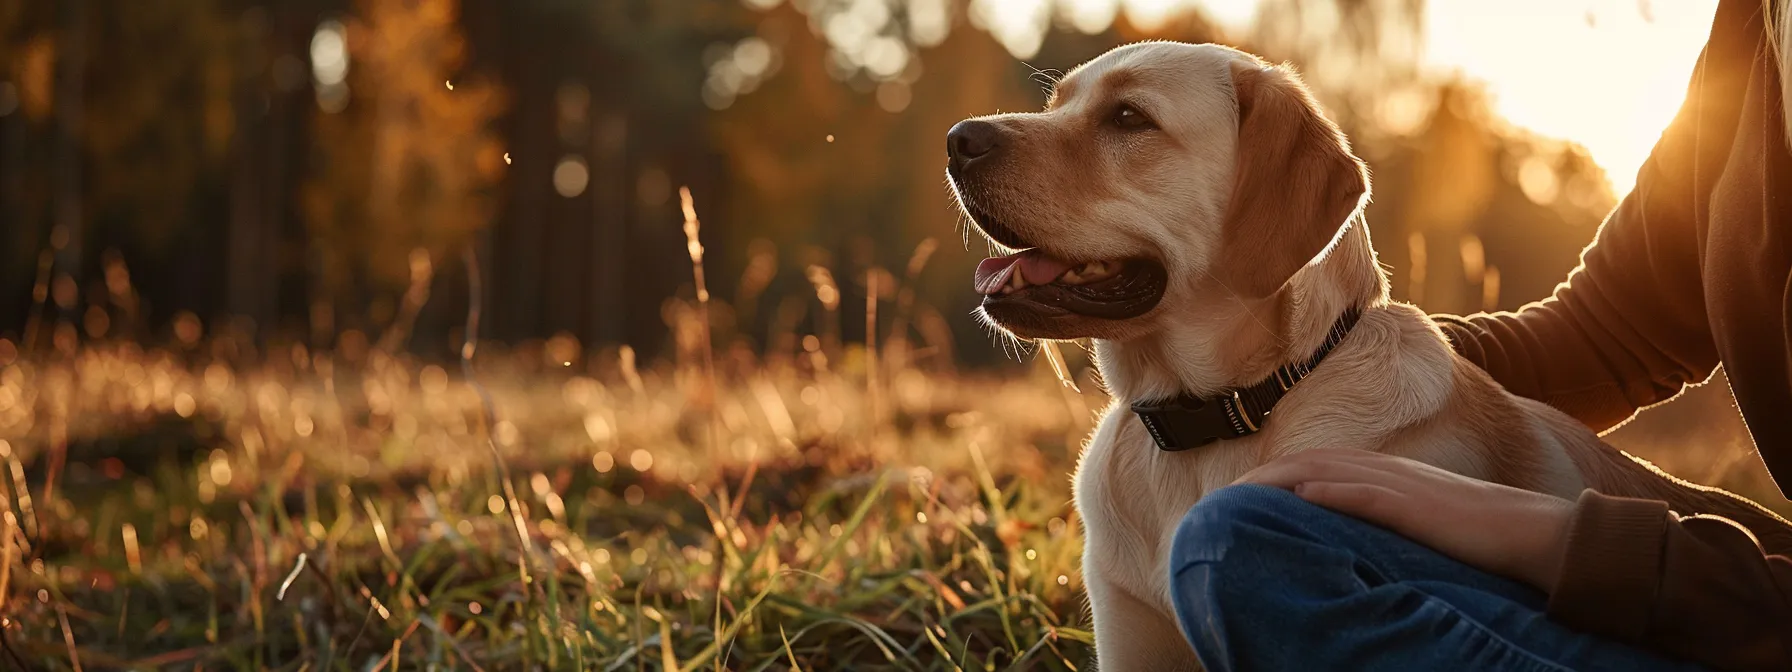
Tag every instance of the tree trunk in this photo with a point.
(67, 220)
(251, 271)
(609, 232)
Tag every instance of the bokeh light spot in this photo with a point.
(571, 176)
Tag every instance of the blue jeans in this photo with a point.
(1263, 580)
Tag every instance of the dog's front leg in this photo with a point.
(1132, 636)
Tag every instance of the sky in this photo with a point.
(1608, 74)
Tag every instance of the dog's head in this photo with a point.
(1158, 174)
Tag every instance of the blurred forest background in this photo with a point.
(311, 170)
(284, 167)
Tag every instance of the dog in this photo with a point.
(1191, 210)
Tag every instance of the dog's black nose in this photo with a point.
(970, 140)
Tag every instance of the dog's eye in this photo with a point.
(1129, 117)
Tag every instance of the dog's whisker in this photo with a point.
(1047, 80)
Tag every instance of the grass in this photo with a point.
(203, 507)
(202, 504)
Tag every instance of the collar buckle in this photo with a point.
(1185, 422)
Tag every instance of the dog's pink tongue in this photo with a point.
(1036, 267)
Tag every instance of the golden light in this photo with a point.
(571, 176)
(894, 97)
(329, 65)
(329, 53)
(598, 429)
(132, 553)
(1091, 16)
(1607, 74)
(1019, 25)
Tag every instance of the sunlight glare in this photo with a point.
(329, 53)
(1019, 25)
(1090, 16)
(929, 21)
(1604, 73)
(1607, 74)
(1151, 14)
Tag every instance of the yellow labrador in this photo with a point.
(1190, 209)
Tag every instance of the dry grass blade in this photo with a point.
(298, 566)
(68, 637)
(794, 665)
(1059, 367)
(487, 414)
(694, 245)
(668, 656)
(437, 534)
(453, 643)
(871, 366)
(133, 555)
(415, 296)
(8, 540)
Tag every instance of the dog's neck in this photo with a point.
(1224, 341)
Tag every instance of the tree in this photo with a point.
(409, 163)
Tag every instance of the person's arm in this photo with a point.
(1698, 588)
(1628, 328)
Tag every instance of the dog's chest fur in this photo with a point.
(1393, 386)
(1131, 495)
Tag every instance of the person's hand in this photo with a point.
(1499, 529)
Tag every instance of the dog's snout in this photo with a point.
(971, 140)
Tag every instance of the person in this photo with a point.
(1346, 560)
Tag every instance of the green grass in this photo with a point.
(342, 511)
(208, 506)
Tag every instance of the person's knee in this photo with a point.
(1215, 565)
(1212, 528)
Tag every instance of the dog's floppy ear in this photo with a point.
(1296, 185)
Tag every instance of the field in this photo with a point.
(274, 450)
(344, 510)
(208, 503)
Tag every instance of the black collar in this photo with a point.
(1187, 421)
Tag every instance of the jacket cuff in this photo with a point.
(1611, 568)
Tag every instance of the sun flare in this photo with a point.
(1607, 74)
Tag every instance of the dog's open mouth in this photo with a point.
(1033, 285)
(1032, 290)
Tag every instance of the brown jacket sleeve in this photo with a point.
(1698, 588)
(1629, 327)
